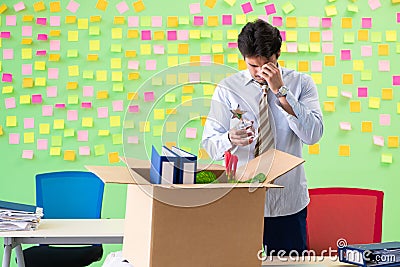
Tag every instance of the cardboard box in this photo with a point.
(196, 225)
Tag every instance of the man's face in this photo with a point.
(254, 65)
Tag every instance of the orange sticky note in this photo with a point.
(355, 106)
(102, 5)
(203, 120)
(3, 8)
(69, 155)
(347, 78)
(26, 41)
(212, 21)
(135, 34)
(72, 85)
(347, 23)
(330, 60)
(133, 76)
(113, 157)
(92, 57)
(27, 18)
(242, 64)
(138, 6)
(183, 49)
(70, 19)
(39, 6)
(55, 6)
(102, 95)
(159, 35)
(387, 94)
(202, 154)
(55, 33)
(313, 149)
(132, 96)
(383, 50)
(329, 106)
(393, 141)
(27, 82)
(130, 53)
(315, 36)
(362, 35)
(119, 20)
(188, 89)
(291, 22)
(54, 57)
(366, 126)
(219, 59)
(170, 144)
(172, 21)
(344, 150)
(303, 66)
(210, 3)
(170, 111)
(95, 18)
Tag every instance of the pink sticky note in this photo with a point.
(158, 49)
(366, 51)
(263, 17)
(41, 52)
(19, 6)
(374, 4)
(13, 138)
(346, 126)
(42, 37)
(60, 105)
(151, 64)
(316, 66)
(6, 77)
(384, 119)
(118, 105)
(327, 36)
(11, 20)
(51, 91)
(398, 17)
(86, 105)
(270, 9)
(171, 35)
(226, 19)
(47, 111)
(29, 123)
(198, 20)
(72, 6)
(396, 79)
(362, 92)
(133, 64)
(327, 48)
(247, 7)
(41, 21)
(55, 45)
(146, 35)
(10, 102)
(183, 35)
(291, 47)
(133, 140)
(345, 54)
(313, 22)
(347, 94)
(326, 22)
(195, 8)
(384, 65)
(84, 151)
(122, 7)
(379, 140)
(148, 96)
(55, 21)
(194, 77)
(205, 58)
(88, 91)
(283, 35)
(191, 133)
(277, 21)
(26, 69)
(366, 23)
(26, 30)
(8, 53)
(83, 136)
(42, 144)
(133, 109)
(72, 115)
(232, 45)
(133, 21)
(37, 99)
(27, 154)
(102, 112)
(156, 21)
(5, 35)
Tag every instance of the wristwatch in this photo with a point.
(282, 91)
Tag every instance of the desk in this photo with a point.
(63, 232)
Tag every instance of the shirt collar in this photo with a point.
(248, 78)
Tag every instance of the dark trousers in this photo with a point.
(287, 233)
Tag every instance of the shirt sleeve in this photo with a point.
(308, 125)
(215, 134)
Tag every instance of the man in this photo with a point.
(293, 117)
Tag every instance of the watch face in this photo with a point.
(283, 90)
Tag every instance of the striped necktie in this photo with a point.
(265, 139)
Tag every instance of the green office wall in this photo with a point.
(350, 48)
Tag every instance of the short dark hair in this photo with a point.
(259, 38)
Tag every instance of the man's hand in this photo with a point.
(240, 137)
(271, 73)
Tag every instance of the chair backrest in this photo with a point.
(69, 195)
(352, 215)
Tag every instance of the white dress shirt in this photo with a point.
(289, 132)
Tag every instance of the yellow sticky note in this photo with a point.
(208, 89)
(230, 2)
(39, 6)
(116, 33)
(115, 63)
(145, 49)
(83, 24)
(40, 81)
(73, 99)
(159, 114)
(70, 19)
(26, 41)
(7, 89)
(87, 122)
(116, 76)
(115, 121)
(291, 36)
(133, 76)
(210, 3)
(135, 34)
(391, 36)
(26, 53)
(55, 33)
(219, 59)
(303, 66)
(131, 53)
(233, 58)
(158, 35)
(183, 78)
(29, 138)
(347, 78)
(95, 18)
(240, 19)
(358, 65)
(102, 95)
(331, 10)
(54, 57)
(355, 106)
(366, 126)
(25, 99)
(313, 149)
(383, 50)
(101, 75)
(169, 98)
(217, 48)
(40, 65)
(186, 101)
(11, 121)
(55, 151)
(374, 102)
(387, 93)
(194, 34)
(55, 6)
(113, 157)
(144, 126)
(232, 34)
(138, 6)
(94, 45)
(58, 124)
(347, 23)
(329, 106)
(188, 89)
(44, 128)
(103, 133)
(183, 49)
(386, 158)
(317, 78)
(72, 85)
(102, 5)
(119, 20)
(332, 91)
(69, 155)
(171, 127)
(344, 150)
(73, 36)
(1, 130)
(171, 79)
(170, 111)
(73, 70)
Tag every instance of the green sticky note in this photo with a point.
(205, 76)
(129, 124)
(302, 47)
(69, 132)
(56, 140)
(73, 99)
(348, 37)
(145, 21)
(205, 34)
(157, 130)
(117, 139)
(171, 98)
(302, 22)
(205, 48)
(117, 48)
(194, 116)
(99, 150)
(72, 53)
(287, 7)
(366, 75)
(331, 10)
(251, 18)
(118, 87)
(94, 30)
(261, 1)
(315, 47)
(183, 20)
(352, 8)
(87, 74)
(172, 49)
(386, 158)
(376, 37)
(217, 35)
(397, 48)
(55, 151)
(291, 64)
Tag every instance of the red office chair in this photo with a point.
(351, 215)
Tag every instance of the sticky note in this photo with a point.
(27, 154)
(171, 127)
(247, 7)
(330, 10)
(374, 102)
(329, 106)
(29, 138)
(384, 119)
(396, 80)
(347, 78)
(10, 102)
(288, 7)
(362, 92)
(384, 65)
(358, 65)
(102, 5)
(387, 94)
(332, 91)
(347, 23)
(191, 133)
(13, 138)
(344, 150)
(115, 121)
(73, 6)
(195, 8)
(314, 149)
(122, 7)
(374, 4)
(138, 6)
(230, 2)
(366, 75)
(144, 126)
(378, 140)
(393, 141)
(73, 36)
(346, 126)
(44, 128)
(355, 106)
(366, 126)
(366, 51)
(329, 60)
(386, 158)
(18, 6)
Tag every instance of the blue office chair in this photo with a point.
(67, 195)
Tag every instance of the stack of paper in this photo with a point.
(19, 217)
